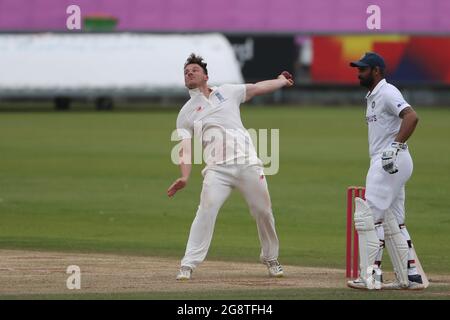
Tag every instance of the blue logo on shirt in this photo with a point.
(219, 97)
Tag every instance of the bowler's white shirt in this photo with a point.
(217, 118)
(384, 104)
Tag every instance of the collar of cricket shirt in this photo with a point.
(377, 87)
(196, 91)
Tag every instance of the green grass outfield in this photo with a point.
(96, 182)
(432, 293)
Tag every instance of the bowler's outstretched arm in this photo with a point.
(268, 86)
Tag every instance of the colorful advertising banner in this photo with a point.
(409, 59)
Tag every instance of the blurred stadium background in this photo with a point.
(134, 50)
(82, 180)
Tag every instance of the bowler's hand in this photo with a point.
(288, 77)
(177, 185)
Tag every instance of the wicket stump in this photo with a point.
(352, 260)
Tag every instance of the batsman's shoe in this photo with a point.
(357, 284)
(184, 273)
(361, 284)
(415, 278)
(397, 286)
(275, 268)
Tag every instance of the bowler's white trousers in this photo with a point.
(387, 191)
(219, 180)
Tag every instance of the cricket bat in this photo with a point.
(425, 281)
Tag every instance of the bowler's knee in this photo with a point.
(207, 210)
(209, 202)
(261, 212)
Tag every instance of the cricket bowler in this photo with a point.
(231, 161)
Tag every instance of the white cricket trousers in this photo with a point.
(387, 191)
(218, 182)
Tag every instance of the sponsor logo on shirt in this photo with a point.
(219, 97)
(199, 108)
(373, 105)
(371, 118)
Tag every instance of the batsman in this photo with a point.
(380, 220)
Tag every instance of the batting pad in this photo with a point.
(397, 248)
(368, 241)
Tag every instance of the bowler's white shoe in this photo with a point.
(275, 268)
(184, 273)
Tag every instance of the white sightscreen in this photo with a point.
(77, 62)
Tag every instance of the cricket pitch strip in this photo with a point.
(43, 272)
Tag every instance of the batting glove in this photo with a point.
(389, 157)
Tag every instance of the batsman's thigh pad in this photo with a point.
(397, 248)
(368, 240)
(379, 191)
(398, 206)
(382, 188)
